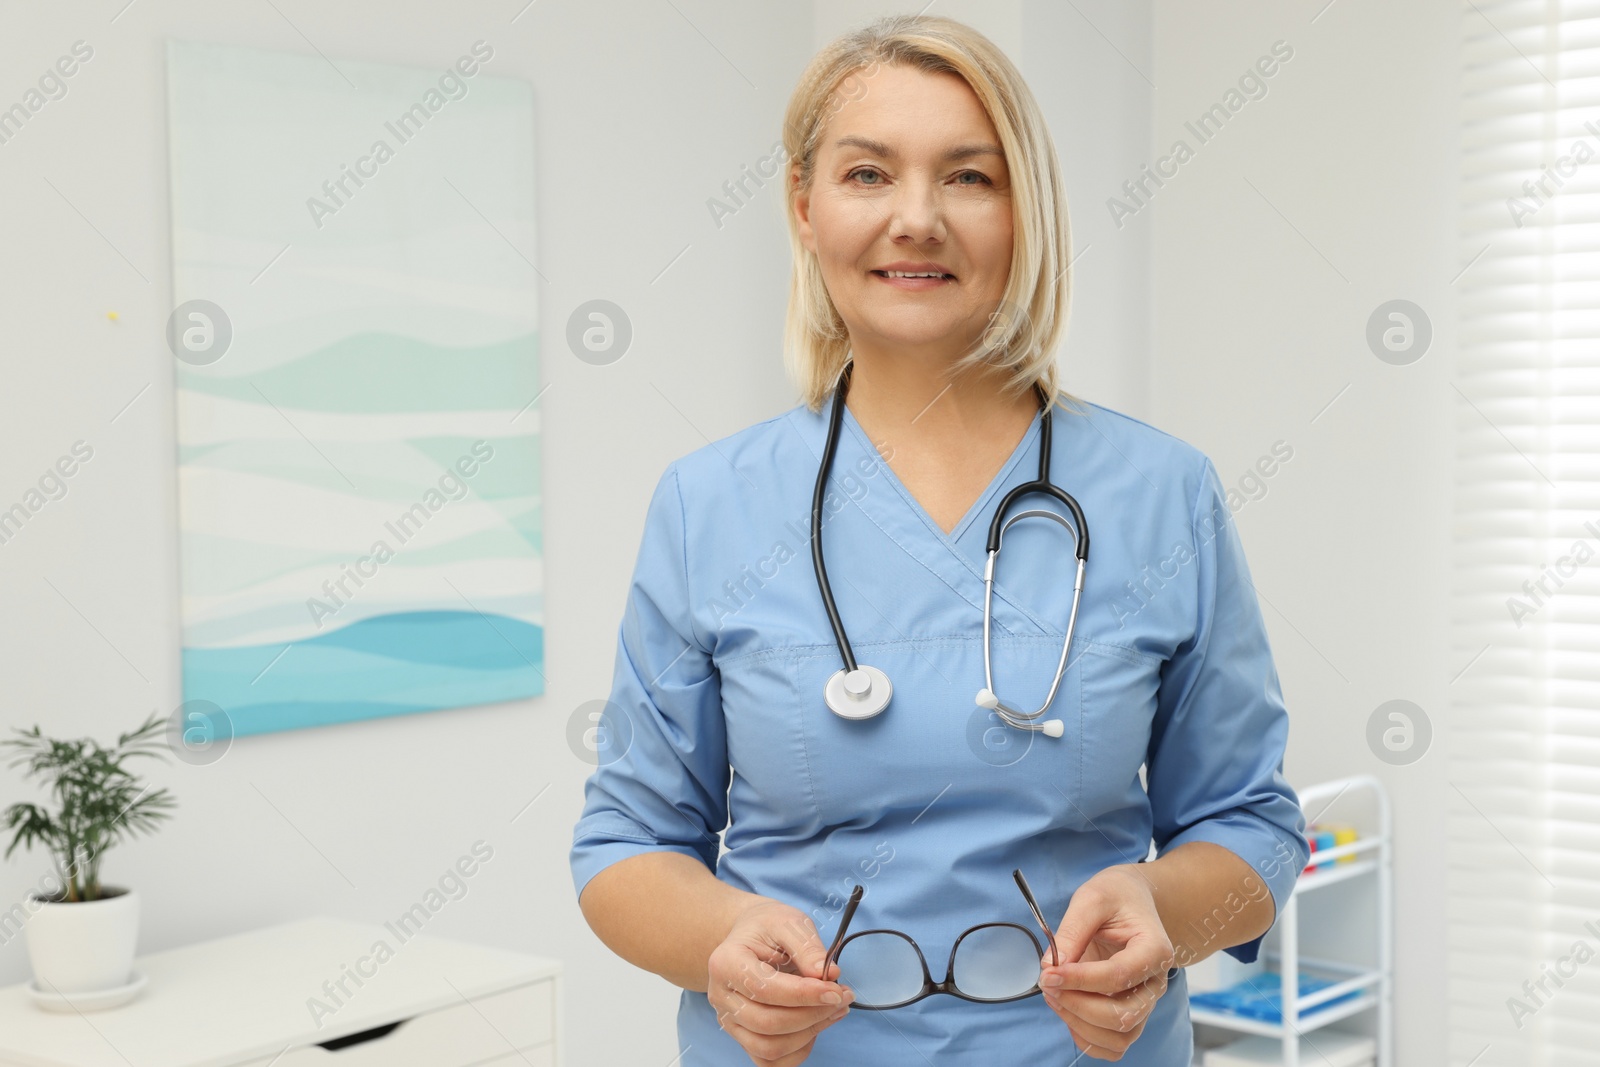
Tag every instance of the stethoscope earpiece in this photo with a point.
(1012, 717)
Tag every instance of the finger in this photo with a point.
(1119, 1012)
(1089, 909)
(760, 980)
(792, 945)
(778, 1048)
(798, 937)
(770, 1018)
(1095, 1052)
(794, 1059)
(1098, 1041)
(1145, 954)
(1087, 1047)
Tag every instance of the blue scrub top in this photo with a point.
(717, 723)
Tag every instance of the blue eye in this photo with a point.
(982, 178)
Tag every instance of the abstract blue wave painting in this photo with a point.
(356, 365)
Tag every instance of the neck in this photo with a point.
(898, 396)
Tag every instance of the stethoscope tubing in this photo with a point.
(834, 419)
(1006, 711)
(853, 674)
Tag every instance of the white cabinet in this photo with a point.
(313, 993)
(1360, 926)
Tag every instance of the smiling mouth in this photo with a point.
(913, 274)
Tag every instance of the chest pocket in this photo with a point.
(1120, 686)
(934, 754)
(934, 748)
(1106, 704)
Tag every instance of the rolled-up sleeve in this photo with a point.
(661, 780)
(1215, 763)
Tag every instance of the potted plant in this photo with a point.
(81, 937)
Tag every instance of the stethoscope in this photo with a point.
(859, 691)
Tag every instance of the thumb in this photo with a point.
(797, 937)
(1086, 913)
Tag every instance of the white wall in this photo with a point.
(1329, 196)
(644, 110)
(642, 114)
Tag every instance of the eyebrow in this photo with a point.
(878, 148)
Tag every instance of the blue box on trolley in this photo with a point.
(1261, 997)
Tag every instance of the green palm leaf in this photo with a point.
(99, 802)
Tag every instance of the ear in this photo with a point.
(802, 211)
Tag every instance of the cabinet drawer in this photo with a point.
(485, 1030)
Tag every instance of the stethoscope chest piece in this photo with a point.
(858, 694)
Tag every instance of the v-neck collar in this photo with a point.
(910, 528)
(981, 506)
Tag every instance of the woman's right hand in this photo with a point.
(767, 986)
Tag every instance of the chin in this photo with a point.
(919, 330)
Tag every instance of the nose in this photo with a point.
(916, 210)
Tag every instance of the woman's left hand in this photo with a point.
(1115, 954)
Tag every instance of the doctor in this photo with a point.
(931, 252)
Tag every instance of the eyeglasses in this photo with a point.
(989, 963)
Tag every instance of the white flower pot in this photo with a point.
(83, 946)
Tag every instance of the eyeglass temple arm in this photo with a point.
(1033, 906)
(844, 924)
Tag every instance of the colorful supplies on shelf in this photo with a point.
(1319, 840)
(1323, 836)
(1261, 997)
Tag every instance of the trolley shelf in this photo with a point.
(1308, 1023)
(1337, 873)
(1370, 854)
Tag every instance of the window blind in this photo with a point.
(1524, 739)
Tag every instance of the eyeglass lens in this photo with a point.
(881, 968)
(991, 962)
(996, 961)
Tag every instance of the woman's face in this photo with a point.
(910, 175)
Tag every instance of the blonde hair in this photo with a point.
(1026, 327)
